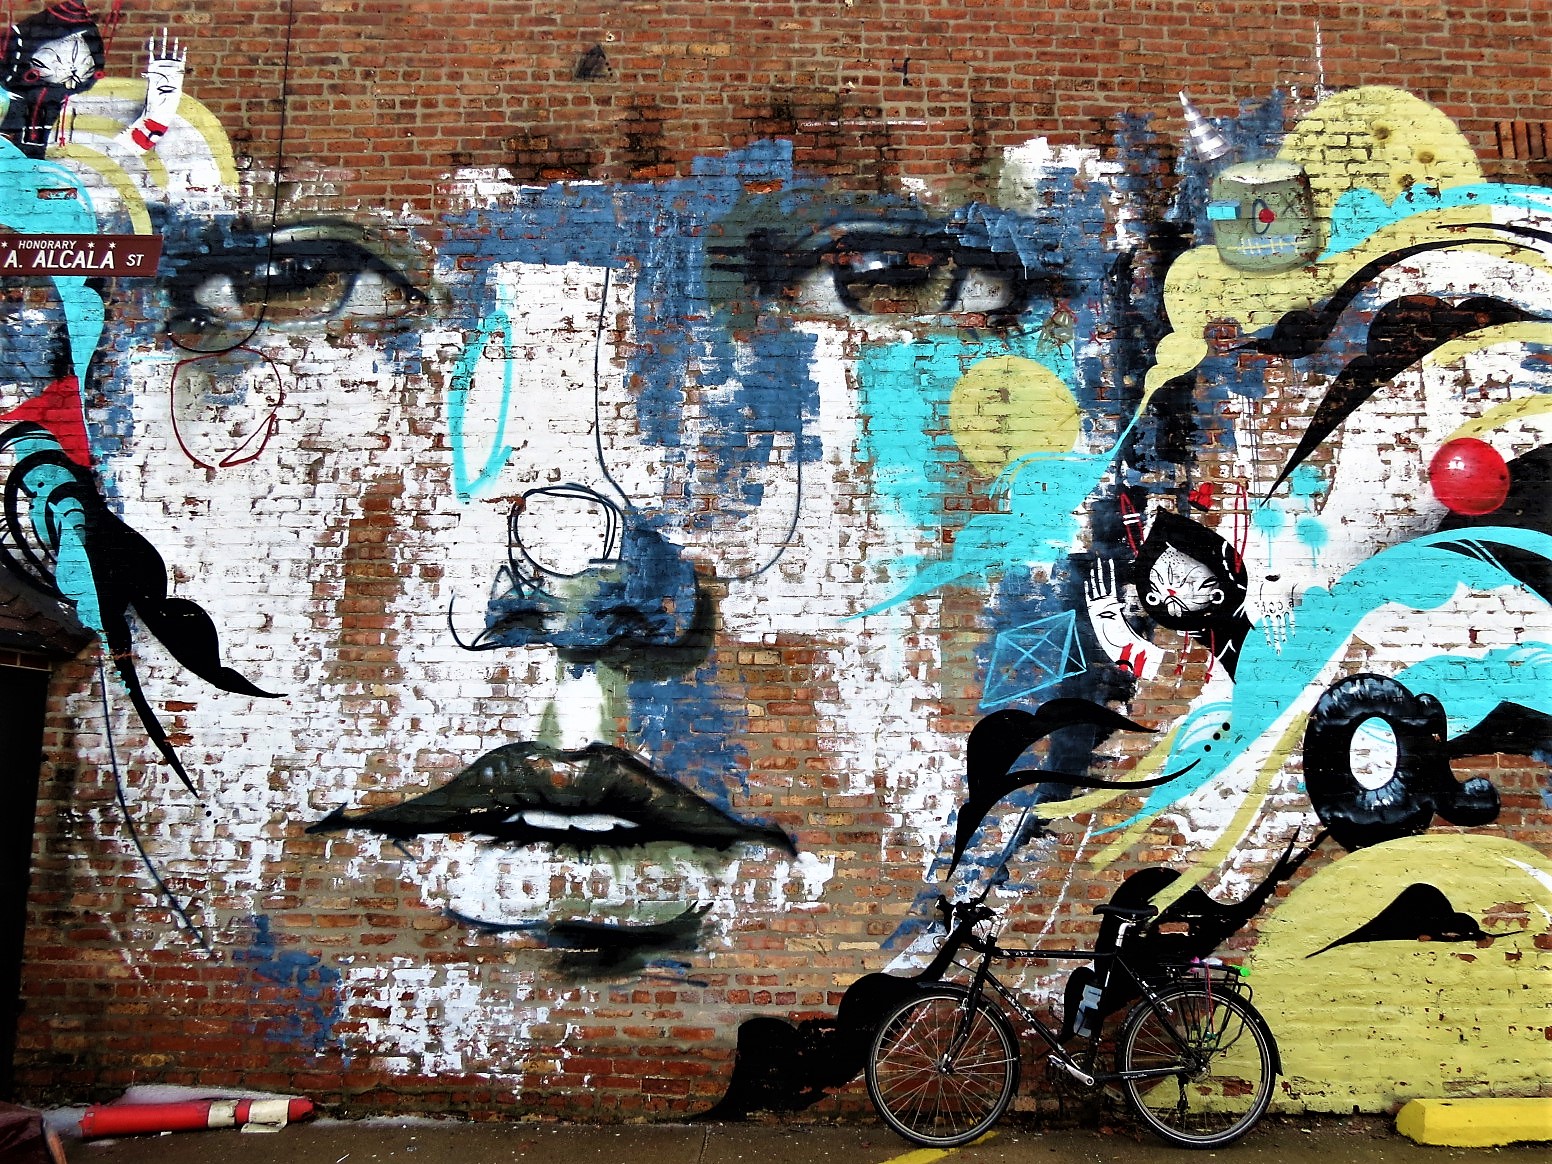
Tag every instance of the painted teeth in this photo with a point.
(559, 822)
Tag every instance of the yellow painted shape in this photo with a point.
(96, 125)
(1502, 415)
(920, 1156)
(1094, 801)
(928, 1155)
(1527, 332)
(1007, 407)
(200, 119)
(1375, 1023)
(126, 89)
(115, 176)
(1374, 138)
(1381, 139)
(214, 133)
(1475, 1123)
(1216, 857)
(1522, 411)
(1201, 290)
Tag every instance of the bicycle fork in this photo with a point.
(967, 1012)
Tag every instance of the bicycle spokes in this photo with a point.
(1194, 1076)
(941, 1076)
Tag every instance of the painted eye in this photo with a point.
(891, 280)
(874, 273)
(307, 275)
(881, 268)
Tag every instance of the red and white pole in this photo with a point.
(129, 1119)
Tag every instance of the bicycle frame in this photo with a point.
(1193, 1058)
(1105, 962)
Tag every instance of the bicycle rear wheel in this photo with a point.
(926, 1090)
(1215, 1062)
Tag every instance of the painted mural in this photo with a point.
(629, 573)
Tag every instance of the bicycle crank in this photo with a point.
(1072, 1069)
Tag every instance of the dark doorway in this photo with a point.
(22, 696)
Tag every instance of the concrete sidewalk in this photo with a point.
(1016, 1141)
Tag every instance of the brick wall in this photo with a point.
(600, 515)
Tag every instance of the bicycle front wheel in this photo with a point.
(1206, 1064)
(939, 1076)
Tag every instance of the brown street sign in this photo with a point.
(121, 255)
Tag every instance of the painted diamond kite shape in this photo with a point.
(1032, 657)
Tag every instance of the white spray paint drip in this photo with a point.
(582, 822)
(581, 707)
(265, 598)
(484, 188)
(1028, 167)
(1072, 872)
(1321, 90)
(189, 173)
(1286, 817)
(507, 884)
(810, 871)
(879, 730)
(813, 871)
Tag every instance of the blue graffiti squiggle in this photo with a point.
(497, 324)
(312, 983)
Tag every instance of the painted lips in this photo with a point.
(531, 793)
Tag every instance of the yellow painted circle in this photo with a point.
(1006, 407)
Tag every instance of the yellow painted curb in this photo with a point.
(1475, 1123)
(930, 1155)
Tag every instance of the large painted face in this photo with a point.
(638, 410)
(539, 605)
(655, 394)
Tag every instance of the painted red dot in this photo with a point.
(1266, 215)
(1469, 477)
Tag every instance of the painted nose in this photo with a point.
(593, 581)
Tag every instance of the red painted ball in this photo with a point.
(1469, 477)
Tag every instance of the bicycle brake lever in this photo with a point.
(977, 911)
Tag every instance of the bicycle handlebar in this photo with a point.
(966, 912)
(961, 917)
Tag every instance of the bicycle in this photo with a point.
(1195, 1060)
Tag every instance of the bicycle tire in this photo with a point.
(1224, 1065)
(930, 1102)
